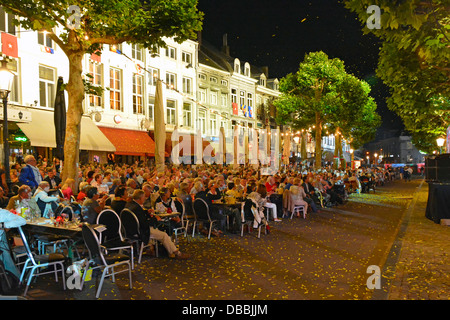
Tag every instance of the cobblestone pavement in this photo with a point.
(323, 257)
(422, 271)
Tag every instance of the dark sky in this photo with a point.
(279, 33)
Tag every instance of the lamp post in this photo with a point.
(440, 142)
(352, 159)
(375, 160)
(6, 80)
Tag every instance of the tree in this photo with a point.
(322, 93)
(414, 62)
(83, 26)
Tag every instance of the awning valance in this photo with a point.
(130, 142)
(41, 132)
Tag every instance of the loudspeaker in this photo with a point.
(437, 168)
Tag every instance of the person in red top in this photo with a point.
(271, 185)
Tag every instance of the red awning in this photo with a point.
(130, 142)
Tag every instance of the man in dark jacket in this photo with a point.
(147, 224)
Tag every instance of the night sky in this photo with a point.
(279, 33)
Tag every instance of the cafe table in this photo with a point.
(68, 229)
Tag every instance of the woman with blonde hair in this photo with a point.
(67, 189)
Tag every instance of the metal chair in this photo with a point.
(112, 237)
(35, 262)
(201, 211)
(189, 214)
(131, 227)
(184, 223)
(248, 218)
(106, 261)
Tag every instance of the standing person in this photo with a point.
(30, 174)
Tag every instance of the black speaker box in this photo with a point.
(437, 168)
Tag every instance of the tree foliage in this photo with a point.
(414, 61)
(322, 93)
(84, 26)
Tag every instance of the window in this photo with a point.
(242, 98)
(224, 82)
(202, 95)
(171, 80)
(153, 76)
(6, 22)
(213, 79)
(237, 66)
(187, 114)
(137, 52)
(247, 69)
(213, 124)
(171, 52)
(233, 96)
(224, 99)
(96, 72)
(262, 82)
(186, 57)
(44, 39)
(171, 112)
(151, 108)
(115, 76)
(202, 76)
(202, 121)
(187, 85)
(138, 94)
(214, 98)
(249, 99)
(47, 86)
(14, 95)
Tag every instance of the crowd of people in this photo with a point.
(146, 192)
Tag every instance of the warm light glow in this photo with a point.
(351, 150)
(6, 79)
(440, 141)
(296, 139)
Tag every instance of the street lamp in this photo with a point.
(6, 81)
(440, 142)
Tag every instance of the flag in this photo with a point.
(9, 45)
(49, 50)
(96, 57)
(235, 108)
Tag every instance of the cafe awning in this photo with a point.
(130, 142)
(41, 132)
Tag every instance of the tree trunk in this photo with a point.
(303, 146)
(318, 139)
(75, 90)
(337, 149)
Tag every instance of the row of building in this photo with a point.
(204, 89)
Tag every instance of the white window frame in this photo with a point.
(171, 112)
(224, 99)
(187, 114)
(171, 52)
(233, 95)
(241, 98)
(186, 57)
(115, 90)
(171, 80)
(187, 85)
(202, 76)
(49, 87)
(9, 27)
(137, 52)
(224, 83)
(213, 79)
(13, 66)
(153, 76)
(45, 40)
(201, 95)
(96, 71)
(250, 99)
(138, 93)
(151, 108)
(202, 121)
(213, 124)
(213, 98)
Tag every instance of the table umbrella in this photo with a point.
(60, 119)
(160, 128)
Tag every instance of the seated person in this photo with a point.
(92, 206)
(24, 199)
(120, 199)
(147, 224)
(165, 204)
(44, 201)
(53, 180)
(3, 200)
(208, 197)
